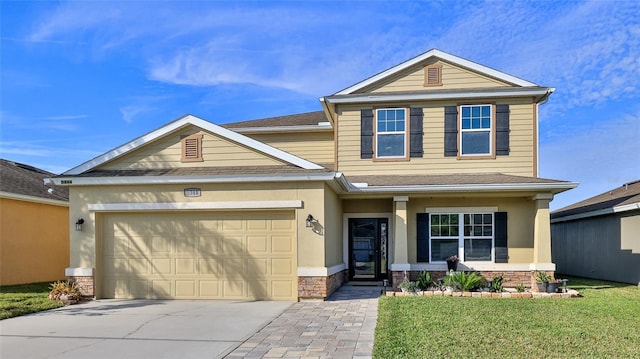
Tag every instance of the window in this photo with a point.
(475, 133)
(391, 133)
(467, 235)
(192, 148)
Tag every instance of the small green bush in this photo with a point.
(497, 284)
(465, 281)
(424, 280)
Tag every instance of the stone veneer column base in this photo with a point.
(320, 287)
(85, 285)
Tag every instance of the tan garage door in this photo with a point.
(212, 255)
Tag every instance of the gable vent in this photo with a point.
(433, 75)
(192, 148)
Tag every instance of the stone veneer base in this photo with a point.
(570, 293)
(320, 288)
(85, 285)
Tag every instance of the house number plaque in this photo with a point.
(192, 192)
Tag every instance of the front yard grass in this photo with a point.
(17, 300)
(605, 323)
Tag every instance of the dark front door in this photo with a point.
(368, 248)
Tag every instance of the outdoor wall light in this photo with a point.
(79, 224)
(310, 221)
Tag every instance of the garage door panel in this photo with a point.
(209, 266)
(282, 266)
(185, 266)
(282, 244)
(199, 255)
(161, 266)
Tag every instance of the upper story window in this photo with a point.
(391, 133)
(192, 148)
(475, 130)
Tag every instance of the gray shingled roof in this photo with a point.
(301, 119)
(202, 171)
(450, 179)
(18, 178)
(628, 193)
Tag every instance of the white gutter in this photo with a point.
(600, 212)
(368, 98)
(559, 187)
(138, 180)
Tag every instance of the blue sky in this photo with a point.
(80, 78)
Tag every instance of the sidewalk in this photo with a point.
(341, 327)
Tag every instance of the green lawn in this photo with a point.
(605, 323)
(17, 300)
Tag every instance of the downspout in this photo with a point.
(542, 101)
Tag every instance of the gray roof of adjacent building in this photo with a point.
(624, 196)
(21, 179)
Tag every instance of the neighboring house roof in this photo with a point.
(205, 125)
(620, 199)
(24, 180)
(308, 120)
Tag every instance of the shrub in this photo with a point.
(64, 291)
(497, 284)
(409, 286)
(520, 288)
(465, 281)
(424, 280)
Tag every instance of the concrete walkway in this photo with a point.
(341, 327)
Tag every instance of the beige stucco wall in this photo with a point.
(333, 228)
(520, 230)
(311, 246)
(34, 241)
(521, 160)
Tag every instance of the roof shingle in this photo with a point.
(18, 178)
(628, 193)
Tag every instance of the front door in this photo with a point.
(368, 248)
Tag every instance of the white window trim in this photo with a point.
(404, 133)
(461, 237)
(490, 130)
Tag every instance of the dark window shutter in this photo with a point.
(500, 233)
(415, 139)
(422, 235)
(450, 131)
(502, 130)
(366, 133)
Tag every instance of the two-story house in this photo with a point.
(434, 157)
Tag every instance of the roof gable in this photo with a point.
(627, 195)
(182, 123)
(433, 56)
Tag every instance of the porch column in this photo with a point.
(400, 247)
(542, 229)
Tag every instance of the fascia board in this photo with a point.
(370, 98)
(600, 212)
(538, 187)
(444, 56)
(205, 125)
(139, 180)
(34, 199)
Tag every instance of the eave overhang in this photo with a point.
(552, 188)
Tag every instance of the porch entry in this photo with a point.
(368, 248)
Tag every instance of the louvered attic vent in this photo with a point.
(192, 148)
(433, 75)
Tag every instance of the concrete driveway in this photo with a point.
(137, 329)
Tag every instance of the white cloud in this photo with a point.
(130, 112)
